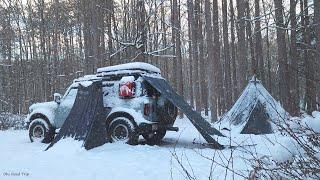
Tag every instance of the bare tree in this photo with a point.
(203, 84)
(317, 23)
(317, 28)
(190, 47)
(211, 68)
(254, 62)
(294, 107)
(227, 61)
(216, 58)
(194, 24)
(282, 54)
(242, 52)
(258, 41)
(177, 61)
(267, 42)
(233, 53)
(141, 30)
(310, 90)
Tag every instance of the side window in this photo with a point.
(71, 94)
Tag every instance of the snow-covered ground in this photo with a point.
(21, 159)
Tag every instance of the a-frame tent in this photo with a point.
(255, 112)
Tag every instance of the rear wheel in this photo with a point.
(40, 131)
(121, 129)
(154, 137)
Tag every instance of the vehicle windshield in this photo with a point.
(71, 94)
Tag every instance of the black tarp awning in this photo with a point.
(196, 119)
(86, 121)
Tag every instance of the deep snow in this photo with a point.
(68, 160)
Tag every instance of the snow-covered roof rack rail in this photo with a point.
(121, 73)
(134, 66)
(87, 78)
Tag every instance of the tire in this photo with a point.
(154, 137)
(41, 131)
(121, 129)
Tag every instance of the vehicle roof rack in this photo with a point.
(87, 78)
(134, 66)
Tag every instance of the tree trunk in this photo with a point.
(227, 81)
(268, 56)
(294, 104)
(109, 30)
(233, 54)
(254, 62)
(174, 42)
(216, 57)
(203, 84)
(164, 38)
(317, 27)
(310, 93)
(258, 42)
(211, 66)
(282, 54)
(141, 31)
(197, 92)
(190, 43)
(242, 51)
(177, 62)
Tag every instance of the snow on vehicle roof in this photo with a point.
(125, 79)
(86, 78)
(130, 66)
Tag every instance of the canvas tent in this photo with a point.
(255, 112)
(86, 121)
(204, 127)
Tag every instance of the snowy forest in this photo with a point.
(207, 49)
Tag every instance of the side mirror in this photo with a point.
(57, 98)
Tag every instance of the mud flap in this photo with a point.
(86, 121)
(196, 119)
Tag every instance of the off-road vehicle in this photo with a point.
(136, 107)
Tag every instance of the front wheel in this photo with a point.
(154, 137)
(40, 131)
(121, 129)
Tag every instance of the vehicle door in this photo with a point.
(65, 106)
